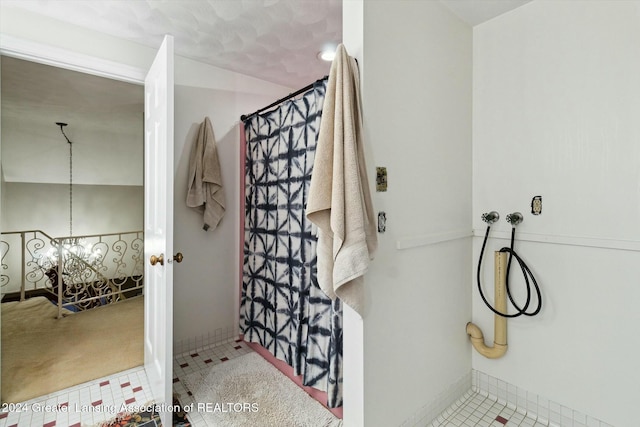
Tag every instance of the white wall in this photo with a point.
(556, 100)
(207, 282)
(97, 209)
(416, 92)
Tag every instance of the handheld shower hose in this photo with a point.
(526, 272)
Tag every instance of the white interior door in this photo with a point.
(158, 227)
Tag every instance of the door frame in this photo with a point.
(67, 59)
(70, 60)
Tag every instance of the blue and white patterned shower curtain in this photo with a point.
(282, 307)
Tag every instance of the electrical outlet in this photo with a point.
(536, 205)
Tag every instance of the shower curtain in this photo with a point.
(282, 307)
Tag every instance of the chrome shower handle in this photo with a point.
(514, 218)
(490, 217)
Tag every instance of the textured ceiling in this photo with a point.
(275, 40)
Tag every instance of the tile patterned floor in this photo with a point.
(475, 409)
(102, 399)
(82, 405)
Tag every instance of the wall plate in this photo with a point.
(381, 179)
(536, 205)
(382, 222)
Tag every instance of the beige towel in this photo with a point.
(339, 199)
(205, 191)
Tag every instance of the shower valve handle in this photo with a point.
(490, 217)
(514, 218)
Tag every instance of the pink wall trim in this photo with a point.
(243, 155)
(283, 367)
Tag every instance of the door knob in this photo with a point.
(178, 257)
(157, 259)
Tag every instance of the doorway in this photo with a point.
(92, 193)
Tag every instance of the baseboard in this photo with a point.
(540, 408)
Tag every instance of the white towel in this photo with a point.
(205, 192)
(339, 199)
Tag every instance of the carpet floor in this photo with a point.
(42, 354)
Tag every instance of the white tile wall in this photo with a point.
(539, 408)
(479, 399)
(219, 336)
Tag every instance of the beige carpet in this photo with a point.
(42, 354)
(250, 392)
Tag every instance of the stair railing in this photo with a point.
(82, 272)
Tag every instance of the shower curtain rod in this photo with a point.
(291, 95)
